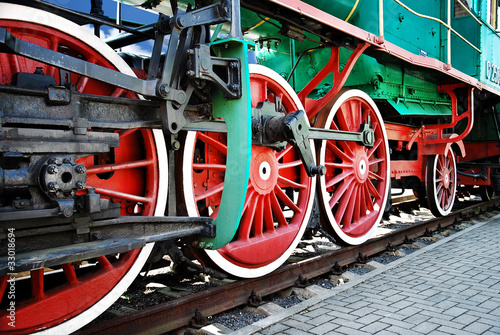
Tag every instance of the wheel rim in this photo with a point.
(441, 183)
(279, 196)
(354, 190)
(66, 299)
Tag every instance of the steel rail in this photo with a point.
(178, 313)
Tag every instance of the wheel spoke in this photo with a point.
(277, 211)
(344, 202)
(284, 152)
(286, 200)
(373, 191)
(338, 178)
(69, 272)
(37, 284)
(337, 152)
(349, 212)
(258, 225)
(247, 219)
(210, 192)
(268, 214)
(376, 145)
(339, 192)
(285, 182)
(213, 143)
(288, 165)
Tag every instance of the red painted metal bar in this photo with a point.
(455, 118)
(339, 78)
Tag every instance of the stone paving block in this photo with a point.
(340, 309)
(293, 331)
(318, 320)
(416, 319)
(358, 305)
(401, 304)
(369, 318)
(314, 313)
(337, 314)
(363, 311)
(277, 327)
(439, 320)
(394, 322)
(451, 330)
(350, 331)
(408, 311)
(298, 325)
(374, 327)
(465, 319)
(300, 317)
(401, 330)
(477, 327)
(455, 311)
(426, 327)
(394, 298)
(324, 328)
(489, 304)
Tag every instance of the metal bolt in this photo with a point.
(235, 87)
(80, 185)
(52, 186)
(164, 90)
(190, 73)
(52, 169)
(96, 236)
(54, 160)
(233, 65)
(67, 212)
(80, 169)
(190, 52)
(66, 161)
(176, 145)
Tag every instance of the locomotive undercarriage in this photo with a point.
(75, 133)
(47, 127)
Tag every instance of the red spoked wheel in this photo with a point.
(279, 196)
(354, 191)
(62, 300)
(441, 182)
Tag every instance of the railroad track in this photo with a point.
(181, 312)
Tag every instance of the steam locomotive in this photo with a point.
(220, 140)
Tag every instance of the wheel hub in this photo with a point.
(446, 178)
(263, 170)
(361, 168)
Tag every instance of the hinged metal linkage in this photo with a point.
(187, 64)
(272, 128)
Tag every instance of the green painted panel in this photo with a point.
(407, 108)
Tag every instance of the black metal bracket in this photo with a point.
(203, 66)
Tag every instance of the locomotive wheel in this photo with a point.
(279, 196)
(134, 175)
(441, 182)
(354, 191)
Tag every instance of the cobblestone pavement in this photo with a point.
(450, 287)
